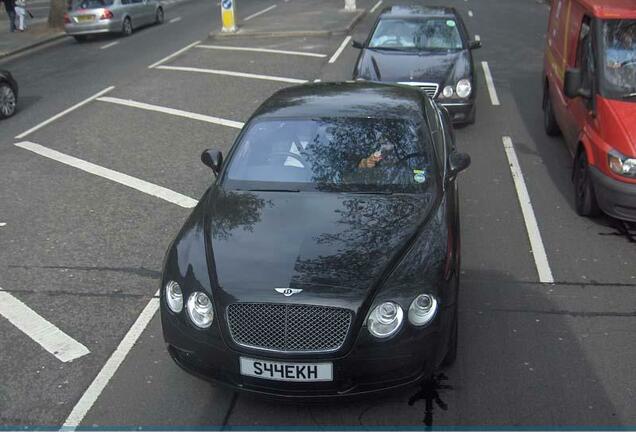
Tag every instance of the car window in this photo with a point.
(618, 57)
(345, 154)
(429, 33)
(90, 4)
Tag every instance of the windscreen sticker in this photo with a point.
(450, 23)
(419, 176)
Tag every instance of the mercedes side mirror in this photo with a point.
(458, 162)
(357, 44)
(572, 84)
(474, 45)
(213, 159)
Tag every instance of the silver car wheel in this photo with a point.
(7, 101)
(127, 27)
(159, 17)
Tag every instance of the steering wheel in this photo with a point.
(286, 154)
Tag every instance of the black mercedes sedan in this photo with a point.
(324, 259)
(8, 94)
(425, 47)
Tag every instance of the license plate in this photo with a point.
(279, 371)
(85, 18)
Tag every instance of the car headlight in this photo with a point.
(200, 309)
(422, 310)
(385, 319)
(447, 91)
(463, 88)
(174, 297)
(621, 164)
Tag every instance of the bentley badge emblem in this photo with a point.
(287, 292)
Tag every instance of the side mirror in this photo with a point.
(213, 159)
(474, 45)
(572, 84)
(357, 44)
(458, 162)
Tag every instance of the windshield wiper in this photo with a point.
(628, 95)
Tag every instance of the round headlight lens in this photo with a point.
(447, 92)
(422, 310)
(200, 309)
(463, 88)
(174, 297)
(385, 319)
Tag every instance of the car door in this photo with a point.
(149, 7)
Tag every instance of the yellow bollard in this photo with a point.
(227, 16)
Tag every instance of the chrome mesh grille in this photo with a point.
(291, 328)
(429, 88)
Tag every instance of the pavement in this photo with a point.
(82, 246)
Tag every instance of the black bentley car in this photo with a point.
(324, 259)
(425, 47)
(8, 94)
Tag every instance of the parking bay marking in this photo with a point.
(342, 46)
(63, 113)
(532, 227)
(494, 99)
(174, 20)
(263, 50)
(470, 13)
(109, 45)
(121, 178)
(109, 369)
(47, 335)
(174, 54)
(172, 111)
(376, 6)
(254, 15)
(235, 74)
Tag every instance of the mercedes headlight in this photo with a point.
(622, 165)
(385, 320)
(422, 310)
(200, 309)
(463, 88)
(174, 297)
(447, 91)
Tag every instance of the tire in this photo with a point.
(584, 197)
(80, 38)
(159, 16)
(451, 354)
(549, 120)
(127, 27)
(8, 100)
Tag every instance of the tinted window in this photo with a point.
(348, 154)
(618, 58)
(430, 33)
(90, 4)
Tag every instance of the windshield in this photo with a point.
(340, 155)
(618, 54)
(419, 34)
(89, 4)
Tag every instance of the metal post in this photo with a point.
(350, 5)
(227, 16)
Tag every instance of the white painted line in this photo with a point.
(109, 369)
(2, 224)
(174, 20)
(63, 113)
(254, 15)
(342, 46)
(317, 80)
(263, 50)
(109, 45)
(470, 13)
(477, 37)
(124, 179)
(235, 74)
(376, 6)
(489, 82)
(51, 338)
(534, 235)
(175, 112)
(174, 54)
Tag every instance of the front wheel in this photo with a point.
(159, 16)
(584, 196)
(8, 101)
(127, 28)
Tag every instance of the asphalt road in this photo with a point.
(84, 252)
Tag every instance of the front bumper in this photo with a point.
(95, 27)
(616, 198)
(364, 368)
(460, 112)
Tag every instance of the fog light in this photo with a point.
(200, 309)
(422, 310)
(174, 297)
(385, 319)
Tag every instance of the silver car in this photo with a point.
(86, 17)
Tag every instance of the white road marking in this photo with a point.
(231, 73)
(109, 369)
(174, 54)
(254, 15)
(342, 46)
(51, 338)
(489, 82)
(175, 112)
(470, 13)
(376, 6)
(109, 45)
(174, 20)
(121, 178)
(534, 235)
(63, 113)
(477, 37)
(317, 80)
(263, 50)
(2, 224)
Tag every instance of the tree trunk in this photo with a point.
(56, 13)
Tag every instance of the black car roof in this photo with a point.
(418, 11)
(344, 99)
